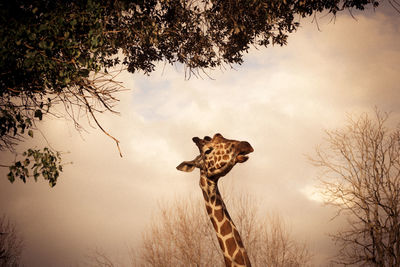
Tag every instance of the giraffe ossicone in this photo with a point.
(217, 157)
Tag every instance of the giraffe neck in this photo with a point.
(227, 234)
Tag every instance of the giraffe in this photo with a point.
(217, 157)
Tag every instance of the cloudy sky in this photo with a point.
(280, 100)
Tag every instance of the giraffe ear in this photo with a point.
(188, 166)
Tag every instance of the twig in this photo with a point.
(98, 124)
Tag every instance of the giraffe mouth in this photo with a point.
(244, 148)
(242, 158)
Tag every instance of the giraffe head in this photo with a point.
(217, 156)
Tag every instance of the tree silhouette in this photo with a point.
(181, 235)
(10, 243)
(361, 178)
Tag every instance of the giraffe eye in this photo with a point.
(208, 151)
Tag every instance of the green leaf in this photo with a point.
(42, 27)
(38, 114)
(77, 53)
(42, 44)
(94, 41)
(11, 177)
(35, 176)
(46, 163)
(30, 133)
(26, 162)
(84, 72)
(32, 36)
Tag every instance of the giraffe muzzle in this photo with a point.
(244, 149)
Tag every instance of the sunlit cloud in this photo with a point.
(312, 193)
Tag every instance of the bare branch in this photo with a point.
(361, 179)
(10, 243)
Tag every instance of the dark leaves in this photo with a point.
(46, 163)
(38, 114)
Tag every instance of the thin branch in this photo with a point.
(101, 128)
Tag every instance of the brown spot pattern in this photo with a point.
(205, 196)
(218, 202)
(202, 182)
(221, 243)
(226, 228)
(237, 237)
(212, 200)
(209, 209)
(219, 215)
(214, 224)
(239, 258)
(230, 246)
(228, 262)
(246, 258)
(225, 157)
